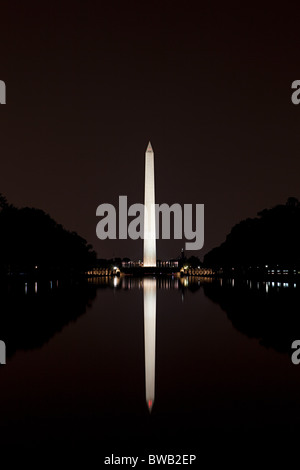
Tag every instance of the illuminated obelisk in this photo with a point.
(149, 287)
(149, 210)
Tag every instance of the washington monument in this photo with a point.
(149, 288)
(149, 211)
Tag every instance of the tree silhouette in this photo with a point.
(31, 239)
(271, 238)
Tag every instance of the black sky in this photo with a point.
(90, 83)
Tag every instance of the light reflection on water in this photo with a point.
(206, 363)
(149, 338)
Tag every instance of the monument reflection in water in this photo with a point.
(77, 364)
(149, 287)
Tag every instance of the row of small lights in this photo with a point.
(36, 286)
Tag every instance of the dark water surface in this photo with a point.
(220, 352)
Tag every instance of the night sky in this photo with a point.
(90, 83)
